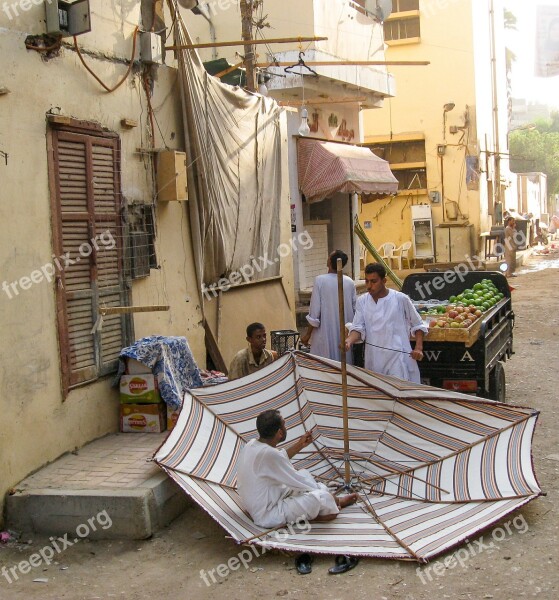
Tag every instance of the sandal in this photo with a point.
(303, 563)
(343, 563)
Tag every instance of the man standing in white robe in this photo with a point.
(271, 489)
(387, 318)
(324, 330)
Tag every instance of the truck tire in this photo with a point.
(497, 383)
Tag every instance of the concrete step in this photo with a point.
(106, 490)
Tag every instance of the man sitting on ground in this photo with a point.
(255, 357)
(271, 489)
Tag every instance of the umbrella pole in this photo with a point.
(347, 476)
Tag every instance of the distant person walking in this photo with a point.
(510, 246)
(323, 331)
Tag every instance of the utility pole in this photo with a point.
(246, 15)
(495, 102)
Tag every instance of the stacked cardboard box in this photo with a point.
(142, 418)
(141, 407)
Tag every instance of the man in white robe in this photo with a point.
(272, 491)
(324, 329)
(387, 318)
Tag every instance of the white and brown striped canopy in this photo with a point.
(432, 467)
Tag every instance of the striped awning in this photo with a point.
(326, 168)
(432, 467)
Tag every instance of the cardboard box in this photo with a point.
(142, 418)
(135, 367)
(139, 389)
(172, 418)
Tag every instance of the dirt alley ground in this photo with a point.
(518, 558)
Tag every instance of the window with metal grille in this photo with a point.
(404, 22)
(141, 241)
(85, 190)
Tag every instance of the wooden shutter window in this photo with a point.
(86, 208)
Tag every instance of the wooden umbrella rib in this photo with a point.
(370, 508)
(292, 358)
(480, 500)
(468, 447)
(255, 537)
(395, 472)
(223, 485)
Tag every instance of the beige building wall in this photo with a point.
(38, 424)
(349, 33)
(455, 40)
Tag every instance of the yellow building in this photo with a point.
(444, 133)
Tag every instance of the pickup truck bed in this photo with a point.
(468, 360)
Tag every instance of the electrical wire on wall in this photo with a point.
(103, 85)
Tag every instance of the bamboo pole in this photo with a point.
(252, 43)
(360, 233)
(343, 360)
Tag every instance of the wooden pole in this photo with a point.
(120, 310)
(343, 360)
(316, 101)
(246, 16)
(346, 63)
(228, 70)
(292, 40)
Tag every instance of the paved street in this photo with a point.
(518, 558)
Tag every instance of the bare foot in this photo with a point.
(325, 518)
(348, 500)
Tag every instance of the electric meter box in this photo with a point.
(151, 48)
(67, 18)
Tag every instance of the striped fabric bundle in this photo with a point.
(432, 467)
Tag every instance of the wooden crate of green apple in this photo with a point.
(459, 320)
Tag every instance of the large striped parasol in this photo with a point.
(433, 467)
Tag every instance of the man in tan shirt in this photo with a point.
(255, 357)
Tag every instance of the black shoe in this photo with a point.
(343, 563)
(304, 564)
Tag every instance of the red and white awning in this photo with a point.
(326, 168)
